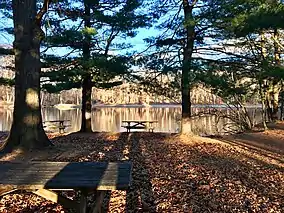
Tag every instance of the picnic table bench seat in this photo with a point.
(128, 128)
(139, 125)
(135, 127)
(45, 178)
(61, 126)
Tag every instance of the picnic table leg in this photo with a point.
(97, 206)
(83, 202)
(151, 127)
(61, 130)
(57, 198)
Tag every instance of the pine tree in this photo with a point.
(94, 65)
(27, 129)
(197, 34)
(263, 21)
(190, 31)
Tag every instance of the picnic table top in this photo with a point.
(140, 121)
(62, 120)
(65, 175)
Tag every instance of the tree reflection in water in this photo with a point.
(108, 119)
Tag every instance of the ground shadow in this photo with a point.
(242, 185)
(264, 142)
(79, 147)
(276, 126)
(207, 177)
(271, 153)
(178, 173)
(140, 196)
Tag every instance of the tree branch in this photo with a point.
(112, 36)
(193, 3)
(42, 12)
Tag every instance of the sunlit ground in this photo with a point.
(175, 173)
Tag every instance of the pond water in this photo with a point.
(109, 119)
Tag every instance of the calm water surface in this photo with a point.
(109, 119)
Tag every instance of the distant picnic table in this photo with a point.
(139, 124)
(45, 178)
(61, 125)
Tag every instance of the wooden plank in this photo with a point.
(41, 178)
(58, 175)
(4, 192)
(64, 175)
(66, 171)
(54, 197)
(138, 121)
(60, 165)
(135, 127)
(60, 186)
(55, 121)
(58, 126)
(65, 184)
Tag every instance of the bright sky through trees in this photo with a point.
(137, 42)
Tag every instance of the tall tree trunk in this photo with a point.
(27, 129)
(263, 114)
(187, 56)
(263, 106)
(269, 108)
(275, 104)
(276, 82)
(282, 105)
(266, 93)
(86, 124)
(186, 65)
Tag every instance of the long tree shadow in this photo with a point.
(112, 149)
(140, 197)
(251, 185)
(261, 141)
(205, 177)
(171, 174)
(277, 156)
(276, 126)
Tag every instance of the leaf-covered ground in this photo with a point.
(173, 173)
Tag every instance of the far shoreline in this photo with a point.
(9, 106)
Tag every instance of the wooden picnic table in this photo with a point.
(45, 178)
(139, 124)
(61, 126)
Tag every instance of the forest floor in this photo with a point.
(173, 172)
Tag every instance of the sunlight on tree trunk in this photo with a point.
(263, 106)
(186, 63)
(27, 129)
(86, 124)
(276, 82)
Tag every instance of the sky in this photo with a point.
(5, 38)
(137, 42)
